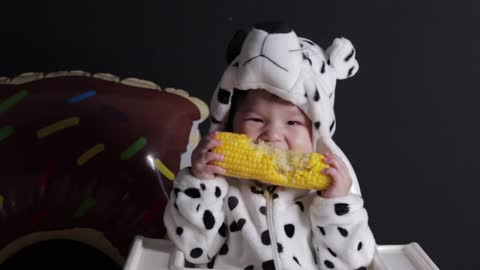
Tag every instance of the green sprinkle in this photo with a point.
(133, 148)
(87, 204)
(9, 102)
(5, 132)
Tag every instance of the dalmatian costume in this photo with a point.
(226, 223)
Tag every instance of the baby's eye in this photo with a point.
(255, 119)
(294, 123)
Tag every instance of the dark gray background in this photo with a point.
(408, 120)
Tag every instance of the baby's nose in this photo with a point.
(271, 135)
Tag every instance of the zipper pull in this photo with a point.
(266, 194)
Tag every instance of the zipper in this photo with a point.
(271, 228)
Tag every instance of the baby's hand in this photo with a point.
(201, 156)
(341, 180)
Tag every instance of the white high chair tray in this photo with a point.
(159, 254)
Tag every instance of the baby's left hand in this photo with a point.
(341, 180)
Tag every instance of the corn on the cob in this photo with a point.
(245, 159)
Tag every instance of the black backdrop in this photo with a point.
(408, 120)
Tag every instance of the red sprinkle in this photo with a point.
(46, 174)
(39, 216)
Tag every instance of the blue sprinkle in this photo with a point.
(82, 96)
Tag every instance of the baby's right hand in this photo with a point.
(201, 156)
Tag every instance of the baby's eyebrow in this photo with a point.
(299, 115)
(296, 113)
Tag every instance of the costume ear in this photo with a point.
(341, 55)
(235, 45)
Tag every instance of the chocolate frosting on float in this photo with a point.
(91, 170)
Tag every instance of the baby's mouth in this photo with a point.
(274, 145)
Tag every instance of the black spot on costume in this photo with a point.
(341, 209)
(237, 226)
(192, 192)
(208, 219)
(223, 96)
(196, 252)
(343, 232)
(232, 202)
(289, 230)
(266, 238)
(329, 264)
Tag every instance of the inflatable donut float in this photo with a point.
(89, 158)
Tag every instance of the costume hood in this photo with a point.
(272, 57)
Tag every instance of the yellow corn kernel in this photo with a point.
(245, 159)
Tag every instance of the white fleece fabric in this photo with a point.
(227, 223)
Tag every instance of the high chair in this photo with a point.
(161, 254)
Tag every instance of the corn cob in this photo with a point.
(245, 159)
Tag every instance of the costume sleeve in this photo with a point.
(194, 216)
(342, 238)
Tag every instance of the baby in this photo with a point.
(279, 89)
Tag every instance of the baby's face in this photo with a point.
(276, 122)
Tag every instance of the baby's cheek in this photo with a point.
(301, 143)
(248, 129)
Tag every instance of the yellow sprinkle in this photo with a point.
(1, 201)
(90, 153)
(57, 126)
(163, 169)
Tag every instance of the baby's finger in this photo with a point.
(341, 163)
(211, 156)
(331, 160)
(332, 172)
(212, 135)
(201, 145)
(211, 143)
(216, 169)
(336, 162)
